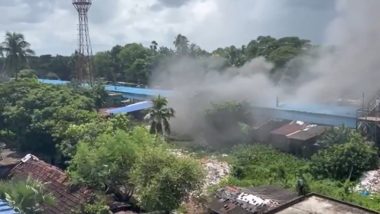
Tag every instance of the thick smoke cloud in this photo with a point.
(353, 68)
(199, 83)
(346, 69)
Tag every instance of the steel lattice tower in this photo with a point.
(83, 65)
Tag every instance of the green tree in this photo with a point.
(98, 94)
(27, 73)
(279, 51)
(234, 56)
(26, 196)
(33, 116)
(99, 206)
(154, 46)
(164, 51)
(16, 52)
(105, 163)
(159, 116)
(282, 55)
(52, 67)
(90, 131)
(254, 165)
(104, 66)
(345, 161)
(335, 135)
(136, 62)
(228, 123)
(181, 44)
(196, 51)
(163, 180)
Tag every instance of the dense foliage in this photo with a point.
(260, 165)
(279, 51)
(135, 163)
(33, 116)
(345, 161)
(107, 161)
(135, 63)
(26, 196)
(89, 132)
(334, 136)
(163, 180)
(53, 67)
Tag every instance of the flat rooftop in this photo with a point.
(317, 204)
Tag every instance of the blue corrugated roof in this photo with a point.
(139, 91)
(120, 89)
(53, 82)
(336, 110)
(131, 108)
(5, 208)
(332, 115)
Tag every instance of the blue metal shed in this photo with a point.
(131, 108)
(5, 208)
(129, 92)
(331, 115)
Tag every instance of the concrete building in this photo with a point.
(273, 200)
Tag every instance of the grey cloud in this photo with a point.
(312, 4)
(7, 3)
(102, 13)
(26, 11)
(209, 23)
(237, 22)
(173, 3)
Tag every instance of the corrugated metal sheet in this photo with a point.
(131, 108)
(309, 117)
(290, 128)
(54, 82)
(120, 89)
(337, 110)
(308, 133)
(5, 208)
(137, 91)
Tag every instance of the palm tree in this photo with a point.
(16, 51)
(159, 116)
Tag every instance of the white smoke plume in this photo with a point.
(353, 67)
(348, 68)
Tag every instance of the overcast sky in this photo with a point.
(50, 25)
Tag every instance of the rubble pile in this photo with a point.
(370, 182)
(216, 171)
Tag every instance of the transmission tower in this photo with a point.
(83, 64)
